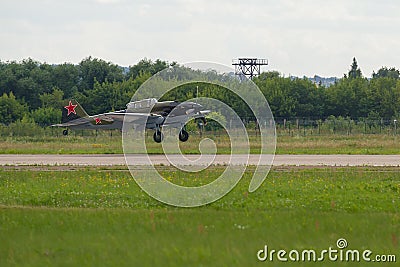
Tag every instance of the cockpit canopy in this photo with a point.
(145, 103)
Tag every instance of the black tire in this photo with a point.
(183, 136)
(158, 136)
(65, 132)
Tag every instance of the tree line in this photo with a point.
(353, 95)
(35, 92)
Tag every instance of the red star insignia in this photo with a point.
(98, 120)
(71, 108)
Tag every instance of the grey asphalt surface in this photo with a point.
(138, 159)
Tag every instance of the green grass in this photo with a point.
(350, 189)
(68, 216)
(378, 144)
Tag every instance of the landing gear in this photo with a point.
(183, 135)
(65, 132)
(158, 136)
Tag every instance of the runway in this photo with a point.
(138, 159)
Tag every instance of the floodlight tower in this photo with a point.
(249, 67)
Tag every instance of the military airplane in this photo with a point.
(136, 112)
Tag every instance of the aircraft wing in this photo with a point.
(79, 121)
(113, 120)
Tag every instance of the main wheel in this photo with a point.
(183, 136)
(158, 136)
(65, 132)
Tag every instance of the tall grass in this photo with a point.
(286, 144)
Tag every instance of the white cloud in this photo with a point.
(108, 1)
(298, 37)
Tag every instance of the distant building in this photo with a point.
(321, 81)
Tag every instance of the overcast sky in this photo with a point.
(297, 37)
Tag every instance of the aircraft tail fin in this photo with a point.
(72, 111)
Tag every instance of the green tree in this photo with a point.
(384, 97)
(8, 80)
(25, 127)
(66, 78)
(384, 72)
(54, 100)
(355, 71)
(46, 116)
(26, 80)
(348, 98)
(147, 66)
(290, 97)
(277, 91)
(93, 69)
(108, 96)
(10, 109)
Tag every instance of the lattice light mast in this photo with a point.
(249, 67)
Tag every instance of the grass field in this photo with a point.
(70, 216)
(378, 144)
